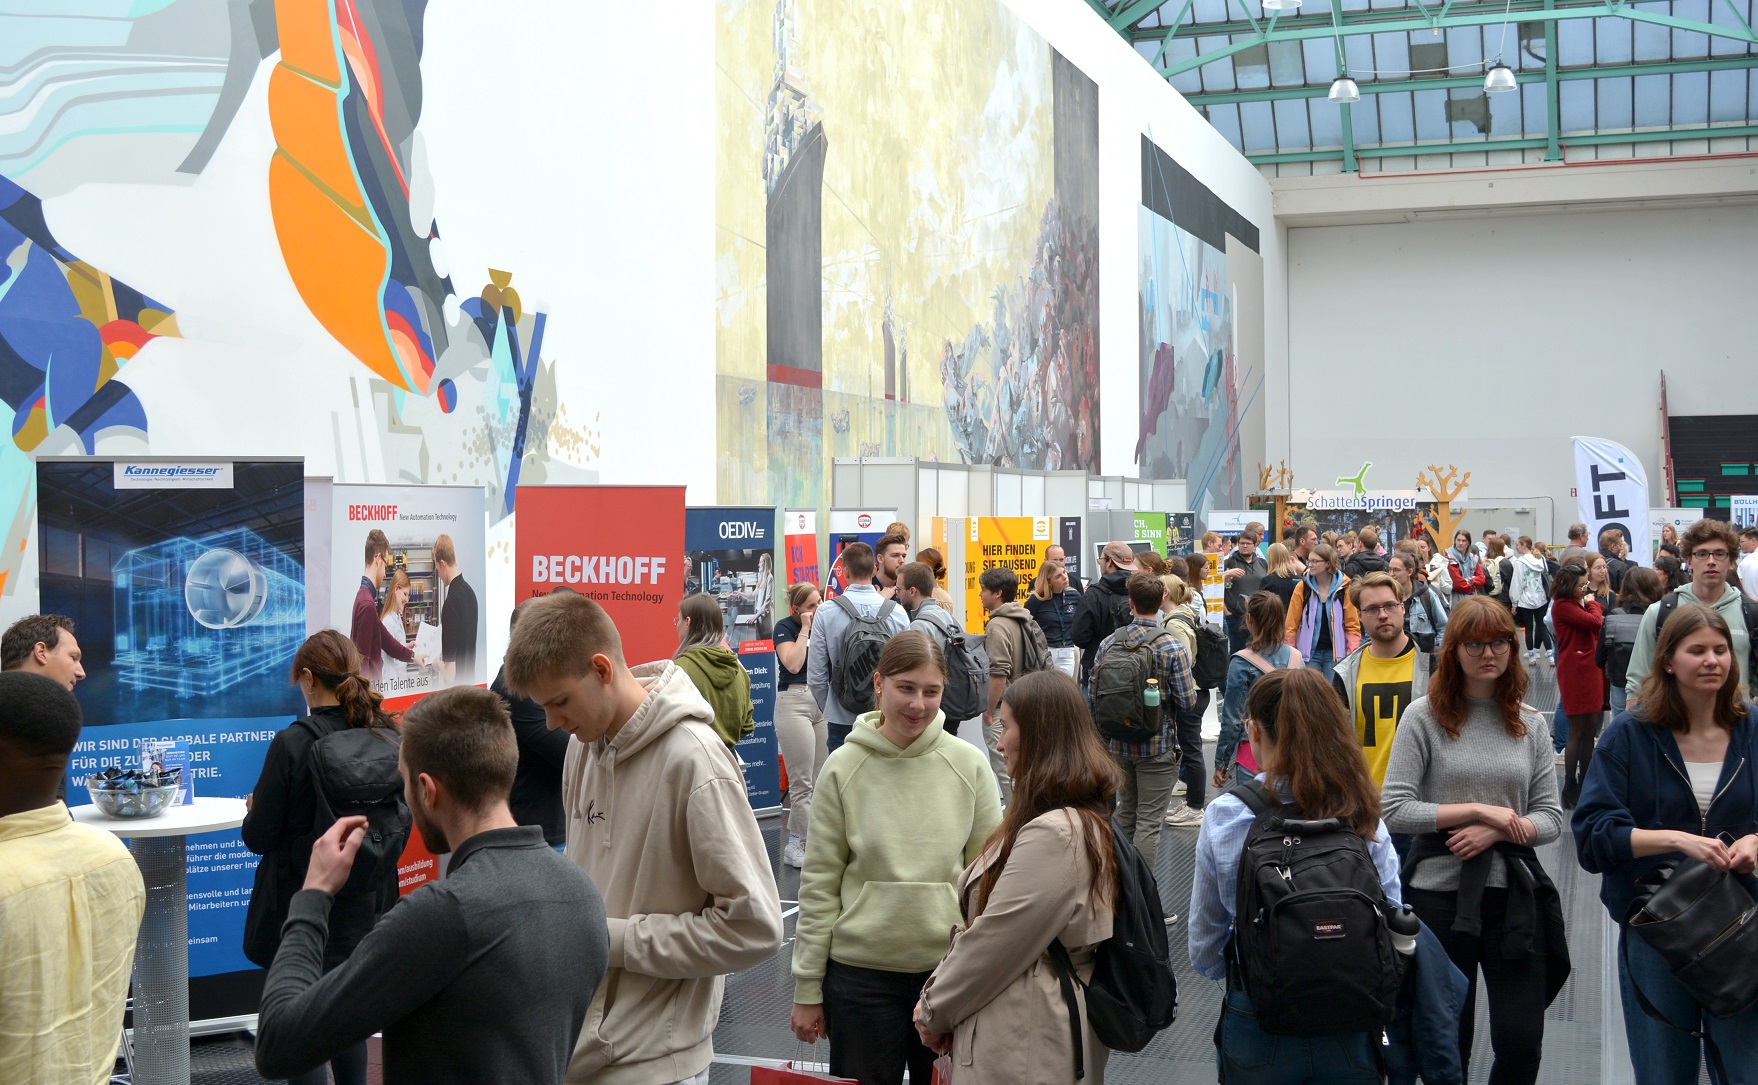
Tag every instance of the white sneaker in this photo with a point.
(1171, 920)
(1180, 788)
(794, 854)
(1560, 762)
(1184, 816)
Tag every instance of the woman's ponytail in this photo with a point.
(334, 664)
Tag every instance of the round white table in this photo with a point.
(161, 953)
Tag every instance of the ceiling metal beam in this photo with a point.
(1597, 139)
(1130, 14)
(1553, 109)
(1166, 38)
(1390, 86)
(1480, 18)
(1417, 20)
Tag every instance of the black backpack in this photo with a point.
(1310, 940)
(966, 695)
(1133, 994)
(1119, 678)
(1213, 653)
(1748, 613)
(862, 641)
(354, 771)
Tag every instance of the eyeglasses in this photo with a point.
(1383, 608)
(1493, 647)
(1710, 555)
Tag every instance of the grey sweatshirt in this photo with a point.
(1484, 764)
(480, 979)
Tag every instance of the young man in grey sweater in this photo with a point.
(434, 976)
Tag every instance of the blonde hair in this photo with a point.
(1281, 559)
(1041, 586)
(797, 594)
(1177, 591)
(556, 637)
(399, 578)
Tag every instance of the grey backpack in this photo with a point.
(862, 641)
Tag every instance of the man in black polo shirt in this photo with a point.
(511, 917)
(457, 616)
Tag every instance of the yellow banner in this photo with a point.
(1002, 542)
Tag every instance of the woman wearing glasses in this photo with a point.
(1471, 772)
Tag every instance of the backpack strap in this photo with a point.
(886, 610)
(1255, 660)
(1258, 800)
(1063, 966)
(844, 604)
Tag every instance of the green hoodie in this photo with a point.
(891, 832)
(723, 683)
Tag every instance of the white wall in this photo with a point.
(1488, 342)
(1134, 101)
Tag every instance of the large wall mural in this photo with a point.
(1197, 385)
(169, 135)
(907, 251)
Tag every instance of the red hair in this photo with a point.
(1477, 618)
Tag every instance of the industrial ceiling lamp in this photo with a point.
(1344, 91)
(1280, 5)
(1500, 79)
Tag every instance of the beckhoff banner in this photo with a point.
(731, 556)
(1611, 491)
(188, 603)
(619, 546)
(800, 537)
(851, 526)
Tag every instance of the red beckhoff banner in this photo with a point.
(619, 546)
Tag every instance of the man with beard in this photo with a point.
(434, 975)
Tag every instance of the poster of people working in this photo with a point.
(731, 559)
(407, 566)
(185, 582)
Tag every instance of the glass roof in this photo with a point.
(1640, 71)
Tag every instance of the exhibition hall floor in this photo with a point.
(753, 1020)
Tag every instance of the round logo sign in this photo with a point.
(864, 521)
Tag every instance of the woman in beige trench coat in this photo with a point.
(1047, 873)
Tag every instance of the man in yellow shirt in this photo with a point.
(1379, 679)
(70, 902)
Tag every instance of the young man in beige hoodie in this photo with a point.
(657, 815)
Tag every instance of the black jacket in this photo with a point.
(1615, 568)
(1283, 586)
(1362, 562)
(481, 979)
(1097, 616)
(1055, 616)
(278, 827)
(536, 798)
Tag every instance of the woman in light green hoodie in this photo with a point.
(897, 813)
(719, 676)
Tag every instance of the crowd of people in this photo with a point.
(1378, 761)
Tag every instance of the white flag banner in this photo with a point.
(1611, 491)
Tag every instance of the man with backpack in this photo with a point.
(1244, 572)
(966, 694)
(1141, 680)
(1104, 608)
(1016, 646)
(847, 636)
(1380, 679)
(1710, 548)
(434, 975)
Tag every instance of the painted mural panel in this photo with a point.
(1198, 391)
(907, 251)
(207, 204)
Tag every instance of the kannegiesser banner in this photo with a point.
(620, 546)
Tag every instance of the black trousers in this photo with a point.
(867, 1014)
(1531, 622)
(1516, 986)
(1190, 741)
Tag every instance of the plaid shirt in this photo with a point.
(1177, 688)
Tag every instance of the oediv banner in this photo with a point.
(1611, 491)
(731, 556)
(619, 546)
(188, 600)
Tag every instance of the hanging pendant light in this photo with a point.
(1344, 91)
(1500, 79)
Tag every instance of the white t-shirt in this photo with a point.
(1749, 574)
(392, 666)
(1704, 775)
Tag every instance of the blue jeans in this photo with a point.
(836, 734)
(1324, 662)
(1662, 1056)
(1618, 699)
(1247, 1055)
(1559, 727)
(1235, 632)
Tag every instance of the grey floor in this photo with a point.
(753, 1021)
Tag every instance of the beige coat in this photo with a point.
(996, 992)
